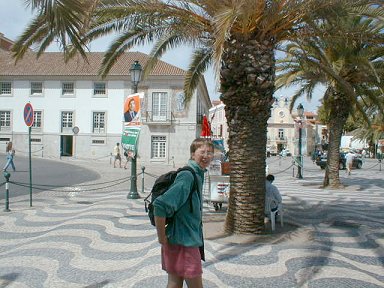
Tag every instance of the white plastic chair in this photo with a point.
(272, 215)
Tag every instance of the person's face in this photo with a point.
(203, 156)
(132, 106)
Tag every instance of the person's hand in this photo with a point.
(163, 240)
(160, 227)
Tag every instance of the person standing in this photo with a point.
(10, 154)
(182, 238)
(117, 155)
(349, 161)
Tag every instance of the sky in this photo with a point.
(14, 18)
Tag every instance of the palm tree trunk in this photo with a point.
(247, 86)
(339, 111)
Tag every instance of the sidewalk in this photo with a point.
(99, 238)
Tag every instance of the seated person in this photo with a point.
(271, 192)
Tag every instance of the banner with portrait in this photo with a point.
(132, 109)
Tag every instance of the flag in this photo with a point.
(206, 128)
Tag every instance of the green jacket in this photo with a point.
(186, 228)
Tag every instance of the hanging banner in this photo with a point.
(132, 109)
(129, 140)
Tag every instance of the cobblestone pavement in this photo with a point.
(91, 235)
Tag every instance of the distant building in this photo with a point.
(79, 114)
(282, 128)
(218, 121)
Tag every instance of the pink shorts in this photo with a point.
(182, 261)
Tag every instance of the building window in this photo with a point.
(159, 106)
(36, 119)
(99, 88)
(158, 147)
(5, 120)
(68, 88)
(220, 130)
(36, 140)
(66, 121)
(36, 88)
(5, 88)
(281, 134)
(98, 122)
(98, 141)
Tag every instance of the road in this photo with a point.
(46, 174)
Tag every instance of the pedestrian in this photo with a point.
(349, 161)
(182, 239)
(117, 155)
(271, 193)
(10, 154)
(126, 158)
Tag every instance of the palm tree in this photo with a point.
(374, 131)
(238, 37)
(348, 67)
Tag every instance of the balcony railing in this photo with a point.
(163, 117)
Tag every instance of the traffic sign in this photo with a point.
(28, 114)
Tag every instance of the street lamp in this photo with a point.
(135, 72)
(300, 112)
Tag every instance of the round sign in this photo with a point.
(75, 129)
(28, 114)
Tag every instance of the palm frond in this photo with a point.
(201, 59)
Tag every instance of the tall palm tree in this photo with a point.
(374, 131)
(238, 37)
(348, 67)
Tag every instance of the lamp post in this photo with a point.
(7, 175)
(135, 72)
(300, 112)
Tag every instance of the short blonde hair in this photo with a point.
(9, 146)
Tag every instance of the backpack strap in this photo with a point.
(195, 183)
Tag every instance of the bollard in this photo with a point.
(7, 175)
(142, 179)
(380, 164)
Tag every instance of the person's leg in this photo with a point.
(174, 281)
(13, 165)
(196, 282)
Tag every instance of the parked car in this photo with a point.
(322, 161)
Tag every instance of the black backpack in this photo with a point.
(161, 186)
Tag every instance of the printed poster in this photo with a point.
(129, 140)
(132, 110)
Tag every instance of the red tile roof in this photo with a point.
(52, 64)
(5, 43)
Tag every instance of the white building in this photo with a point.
(78, 114)
(218, 121)
(283, 130)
